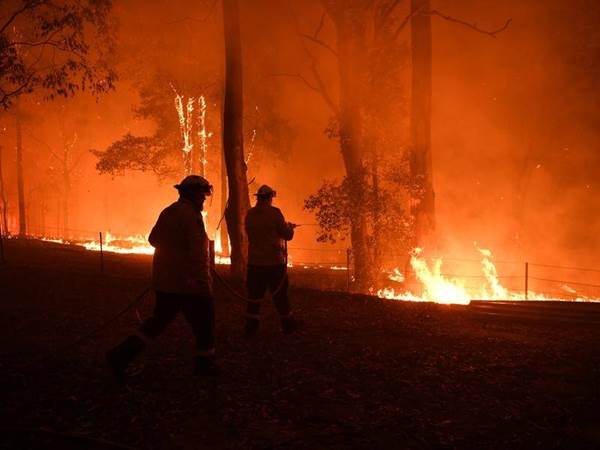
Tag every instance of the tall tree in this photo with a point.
(351, 31)
(367, 31)
(421, 171)
(4, 216)
(421, 165)
(233, 140)
(20, 180)
(47, 47)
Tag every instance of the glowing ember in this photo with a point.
(185, 113)
(185, 123)
(202, 133)
(251, 149)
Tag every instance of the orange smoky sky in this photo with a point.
(514, 122)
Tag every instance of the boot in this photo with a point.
(252, 326)
(119, 357)
(290, 325)
(205, 366)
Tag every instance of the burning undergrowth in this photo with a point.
(439, 280)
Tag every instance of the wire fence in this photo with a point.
(531, 280)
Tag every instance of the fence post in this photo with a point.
(348, 251)
(526, 279)
(101, 255)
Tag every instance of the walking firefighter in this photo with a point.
(180, 279)
(267, 233)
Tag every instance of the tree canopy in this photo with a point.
(56, 47)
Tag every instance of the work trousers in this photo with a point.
(197, 309)
(275, 279)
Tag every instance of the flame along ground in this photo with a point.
(433, 285)
(438, 288)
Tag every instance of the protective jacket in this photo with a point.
(266, 229)
(181, 263)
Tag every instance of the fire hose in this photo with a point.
(110, 321)
(138, 299)
(242, 297)
(216, 274)
(233, 292)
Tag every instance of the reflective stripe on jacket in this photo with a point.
(181, 259)
(266, 229)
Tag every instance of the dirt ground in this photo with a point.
(364, 373)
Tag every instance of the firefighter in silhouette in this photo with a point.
(180, 278)
(267, 233)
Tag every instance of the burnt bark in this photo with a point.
(421, 169)
(223, 225)
(233, 140)
(20, 181)
(4, 218)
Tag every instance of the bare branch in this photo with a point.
(472, 26)
(320, 87)
(320, 26)
(406, 21)
(53, 154)
(207, 16)
(320, 42)
(385, 13)
(315, 36)
(296, 75)
(26, 6)
(434, 12)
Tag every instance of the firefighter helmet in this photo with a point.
(265, 192)
(193, 182)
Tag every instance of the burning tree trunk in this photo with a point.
(202, 135)
(4, 218)
(420, 152)
(20, 182)
(233, 140)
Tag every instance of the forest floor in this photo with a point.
(363, 373)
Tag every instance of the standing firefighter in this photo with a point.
(180, 278)
(267, 260)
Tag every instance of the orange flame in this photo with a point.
(441, 289)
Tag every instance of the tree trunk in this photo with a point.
(42, 224)
(195, 154)
(20, 182)
(377, 213)
(420, 152)
(4, 218)
(351, 35)
(233, 140)
(66, 193)
(223, 230)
